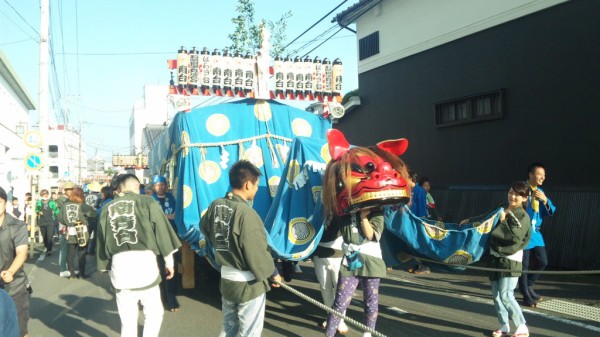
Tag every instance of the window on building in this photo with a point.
(53, 172)
(474, 108)
(368, 46)
(53, 151)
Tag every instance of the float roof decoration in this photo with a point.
(205, 72)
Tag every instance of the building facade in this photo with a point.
(151, 109)
(67, 157)
(481, 89)
(15, 104)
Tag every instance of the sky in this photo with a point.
(104, 52)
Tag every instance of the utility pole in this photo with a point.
(80, 179)
(42, 114)
(43, 85)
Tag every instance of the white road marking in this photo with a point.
(397, 310)
(532, 312)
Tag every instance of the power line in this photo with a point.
(316, 39)
(77, 44)
(14, 42)
(56, 96)
(108, 147)
(22, 18)
(65, 73)
(337, 37)
(21, 29)
(95, 109)
(108, 125)
(119, 54)
(320, 44)
(311, 27)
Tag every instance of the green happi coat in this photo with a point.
(133, 222)
(238, 236)
(509, 237)
(373, 266)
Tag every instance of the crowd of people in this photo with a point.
(140, 252)
(79, 221)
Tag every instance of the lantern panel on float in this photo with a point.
(233, 75)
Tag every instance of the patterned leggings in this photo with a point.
(343, 296)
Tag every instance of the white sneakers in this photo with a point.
(66, 273)
(342, 327)
(297, 269)
(521, 331)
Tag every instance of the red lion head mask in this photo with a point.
(363, 177)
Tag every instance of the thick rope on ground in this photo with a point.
(558, 272)
(331, 311)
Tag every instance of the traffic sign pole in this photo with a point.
(33, 163)
(32, 223)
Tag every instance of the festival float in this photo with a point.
(291, 148)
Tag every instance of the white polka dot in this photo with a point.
(301, 128)
(209, 171)
(262, 111)
(217, 124)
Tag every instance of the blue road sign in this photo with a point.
(33, 162)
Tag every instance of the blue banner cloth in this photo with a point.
(200, 146)
(446, 242)
(295, 222)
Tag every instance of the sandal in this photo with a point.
(499, 333)
(521, 334)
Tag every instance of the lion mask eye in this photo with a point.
(369, 167)
(339, 185)
(366, 170)
(357, 168)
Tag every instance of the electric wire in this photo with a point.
(314, 24)
(96, 109)
(318, 37)
(320, 44)
(22, 18)
(306, 45)
(119, 54)
(205, 102)
(55, 94)
(36, 39)
(13, 42)
(108, 125)
(65, 73)
(337, 37)
(77, 45)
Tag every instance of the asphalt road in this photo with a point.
(439, 304)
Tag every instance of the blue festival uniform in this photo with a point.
(536, 247)
(537, 240)
(168, 287)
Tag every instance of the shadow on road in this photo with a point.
(70, 320)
